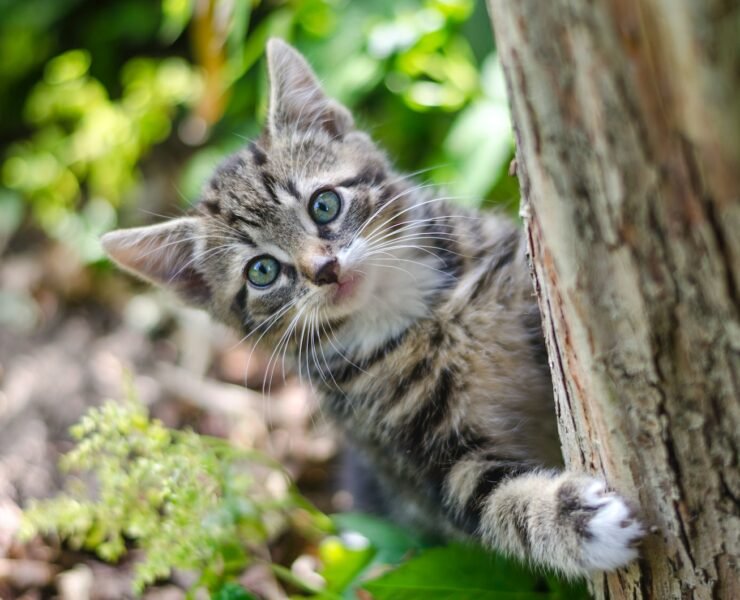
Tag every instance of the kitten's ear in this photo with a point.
(163, 254)
(297, 101)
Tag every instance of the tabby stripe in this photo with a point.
(439, 461)
(245, 220)
(507, 251)
(244, 237)
(260, 211)
(368, 176)
(431, 414)
(360, 211)
(337, 402)
(570, 509)
(421, 369)
(268, 181)
(259, 157)
(489, 480)
(230, 167)
(447, 451)
(448, 252)
(213, 206)
(332, 324)
(346, 371)
(521, 526)
(385, 198)
(290, 272)
(239, 305)
(437, 338)
(503, 256)
(292, 189)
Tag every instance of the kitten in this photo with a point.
(414, 318)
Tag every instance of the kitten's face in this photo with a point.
(294, 230)
(296, 210)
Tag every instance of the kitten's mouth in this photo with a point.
(346, 289)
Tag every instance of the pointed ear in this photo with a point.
(297, 101)
(164, 254)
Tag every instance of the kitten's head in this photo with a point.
(290, 229)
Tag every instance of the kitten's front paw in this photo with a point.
(611, 533)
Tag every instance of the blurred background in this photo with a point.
(113, 114)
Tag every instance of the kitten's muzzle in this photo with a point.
(327, 273)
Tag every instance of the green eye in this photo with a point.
(324, 206)
(262, 271)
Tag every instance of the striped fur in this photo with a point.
(433, 363)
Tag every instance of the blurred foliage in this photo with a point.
(189, 501)
(196, 503)
(90, 91)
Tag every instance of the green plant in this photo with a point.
(89, 89)
(88, 143)
(189, 501)
(196, 503)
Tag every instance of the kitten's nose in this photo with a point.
(327, 273)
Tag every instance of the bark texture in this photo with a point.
(627, 120)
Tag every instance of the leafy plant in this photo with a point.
(195, 503)
(86, 142)
(189, 501)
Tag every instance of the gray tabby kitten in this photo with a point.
(414, 318)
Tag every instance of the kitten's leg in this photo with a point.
(566, 521)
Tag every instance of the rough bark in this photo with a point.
(627, 120)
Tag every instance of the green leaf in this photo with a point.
(391, 542)
(238, 25)
(233, 591)
(368, 545)
(342, 564)
(458, 572)
(175, 16)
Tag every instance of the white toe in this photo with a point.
(613, 530)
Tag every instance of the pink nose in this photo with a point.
(327, 273)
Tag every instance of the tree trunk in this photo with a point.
(627, 120)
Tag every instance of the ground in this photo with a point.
(72, 337)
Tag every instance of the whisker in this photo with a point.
(338, 351)
(414, 223)
(272, 322)
(300, 361)
(409, 237)
(347, 360)
(285, 336)
(416, 262)
(217, 251)
(312, 339)
(157, 247)
(407, 176)
(180, 212)
(401, 194)
(384, 266)
(319, 323)
(272, 319)
(408, 243)
(416, 206)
